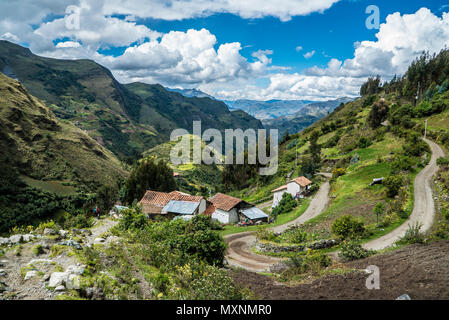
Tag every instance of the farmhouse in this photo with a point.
(296, 187)
(172, 204)
(231, 210)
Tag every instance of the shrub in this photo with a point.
(132, 219)
(202, 282)
(348, 227)
(298, 236)
(286, 205)
(338, 172)
(441, 161)
(413, 234)
(79, 221)
(351, 251)
(311, 261)
(393, 183)
(263, 233)
(364, 143)
(403, 163)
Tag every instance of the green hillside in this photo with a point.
(375, 136)
(194, 179)
(44, 158)
(127, 119)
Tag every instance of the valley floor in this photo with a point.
(417, 270)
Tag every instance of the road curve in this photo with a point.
(239, 252)
(424, 206)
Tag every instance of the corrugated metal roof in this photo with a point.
(180, 207)
(254, 213)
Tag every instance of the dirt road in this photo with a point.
(239, 252)
(424, 207)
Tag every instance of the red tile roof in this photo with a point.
(302, 181)
(280, 189)
(153, 201)
(224, 202)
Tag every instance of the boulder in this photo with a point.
(30, 274)
(60, 288)
(404, 297)
(37, 261)
(76, 269)
(49, 232)
(86, 231)
(63, 233)
(57, 279)
(99, 240)
(4, 241)
(71, 243)
(15, 239)
(73, 282)
(2, 273)
(28, 237)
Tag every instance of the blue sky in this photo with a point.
(235, 49)
(330, 34)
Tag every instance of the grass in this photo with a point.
(53, 186)
(282, 219)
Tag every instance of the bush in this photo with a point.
(364, 143)
(413, 235)
(79, 221)
(393, 183)
(348, 227)
(441, 161)
(312, 261)
(338, 172)
(263, 233)
(202, 282)
(351, 251)
(298, 236)
(286, 205)
(133, 219)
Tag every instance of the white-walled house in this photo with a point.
(295, 187)
(226, 208)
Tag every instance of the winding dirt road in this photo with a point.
(239, 252)
(240, 255)
(424, 206)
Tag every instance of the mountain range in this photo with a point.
(305, 117)
(125, 118)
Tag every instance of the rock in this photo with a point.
(60, 288)
(57, 279)
(77, 270)
(2, 273)
(28, 237)
(85, 231)
(63, 233)
(76, 231)
(73, 282)
(278, 267)
(37, 261)
(15, 239)
(30, 274)
(99, 240)
(404, 297)
(4, 241)
(49, 232)
(3, 263)
(45, 277)
(71, 243)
